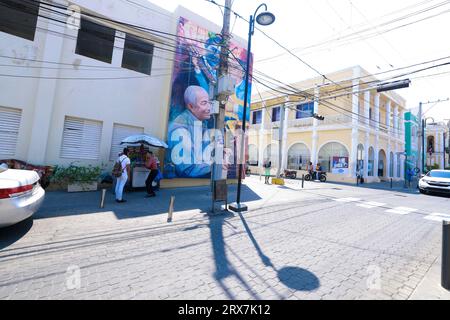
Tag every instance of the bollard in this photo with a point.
(391, 184)
(445, 274)
(357, 180)
(303, 181)
(102, 201)
(170, 215)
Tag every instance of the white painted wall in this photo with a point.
(139, 102)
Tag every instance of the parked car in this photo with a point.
(20, 195)
(435, 181)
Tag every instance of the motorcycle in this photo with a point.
(289, 174)
(322, 177)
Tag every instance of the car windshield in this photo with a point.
(440, 174)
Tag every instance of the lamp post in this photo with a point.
(265, 18)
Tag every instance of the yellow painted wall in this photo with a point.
(342, 136)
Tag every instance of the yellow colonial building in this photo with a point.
(362, 131)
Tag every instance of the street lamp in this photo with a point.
(265, 19)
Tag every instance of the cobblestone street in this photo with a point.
(321, 244)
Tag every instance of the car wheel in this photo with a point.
(422, 191)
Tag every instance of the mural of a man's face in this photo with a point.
(202, 108)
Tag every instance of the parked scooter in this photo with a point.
(289, 174)
(322, 176)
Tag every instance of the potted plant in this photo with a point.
(77, 178)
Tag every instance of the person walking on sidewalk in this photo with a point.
(152, 164)
(124, 162)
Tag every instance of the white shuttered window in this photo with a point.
(9, 131)
(121, 132)
(81, 139)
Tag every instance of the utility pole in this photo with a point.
(218, 176)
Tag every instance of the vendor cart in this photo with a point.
(138, 147)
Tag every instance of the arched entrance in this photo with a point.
(271, 154)
(381, 164)
(360, 159)
(333, 157)
(253, 155)
(371, 163)
(391, 165)
(430, 144)
(298, 156)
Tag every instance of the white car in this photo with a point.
(437, 181)
(20, 195)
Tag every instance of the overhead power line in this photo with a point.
(373, 31)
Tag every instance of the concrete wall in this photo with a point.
(136, 100)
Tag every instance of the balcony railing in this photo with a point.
(335, 120)
(301, 123)
(270, 125)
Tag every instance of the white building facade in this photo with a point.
(72, 94)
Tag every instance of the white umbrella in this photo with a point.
(145, 139)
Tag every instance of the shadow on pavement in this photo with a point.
(60, 203)
(12, 234)
(293, 277)
(298, 279)
(224, 269)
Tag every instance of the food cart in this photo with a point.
(138, 147)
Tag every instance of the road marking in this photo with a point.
(347, 200)
(401, 210)
(438, 217)
(371, 205)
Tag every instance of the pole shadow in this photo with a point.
(224, 269)
(296, 278)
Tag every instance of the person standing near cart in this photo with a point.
(124, 163)
(151, 164)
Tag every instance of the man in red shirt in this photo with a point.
(151, 164)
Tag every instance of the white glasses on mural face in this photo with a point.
(206, 103)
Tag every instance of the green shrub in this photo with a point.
(433, 167)
(72, 173)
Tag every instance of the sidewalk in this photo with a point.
(293, 243)
(255, 194)
(396, 186)
(430, 288)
